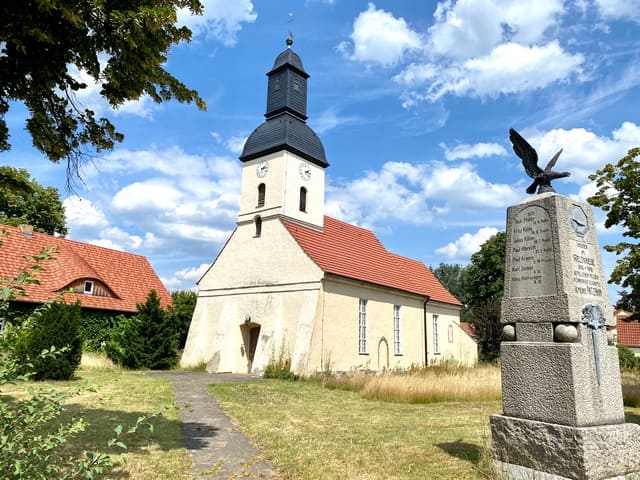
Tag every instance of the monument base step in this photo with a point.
(548, 451)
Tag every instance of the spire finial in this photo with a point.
(289, 41)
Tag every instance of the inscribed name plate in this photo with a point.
(533, 270)
(586, 273)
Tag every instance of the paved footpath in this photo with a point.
(220, 451)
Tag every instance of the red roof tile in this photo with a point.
(469, 330)
(354, 252)
(628, 333)
(129, 277)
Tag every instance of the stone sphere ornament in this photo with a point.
(565, 332)
(509, 333)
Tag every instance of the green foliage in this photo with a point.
(280, 367)
(180, 313)
(484, 285)
(53, 325)
(32, 437)
(452, 277)
(96, 329)
(619, 195)
(23, 200)
(45, 43)
(628, 361)
(145, 340)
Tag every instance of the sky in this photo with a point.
(412, 100)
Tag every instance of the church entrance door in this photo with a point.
(250, 334)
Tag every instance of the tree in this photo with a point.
(452, 277)
(23, 200)
(146, 340)
(122, 46)
(180, 313)
(619, 195)
(484, 288)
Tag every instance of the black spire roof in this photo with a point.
(285, 127)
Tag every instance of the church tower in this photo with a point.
(283, 172)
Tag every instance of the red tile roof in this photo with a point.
(129, 277)
(628, 333)
(469, 330)
(354, 252)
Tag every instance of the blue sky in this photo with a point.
(411, 99)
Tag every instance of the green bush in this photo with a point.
(280, 367)
(54, 325)
(146, 340)
(96, 329)
(628, 361)
(181, 312)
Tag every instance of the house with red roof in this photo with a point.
(627, 331)
(293, 282)
(99, 278)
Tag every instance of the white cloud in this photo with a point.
(619, 9)
(185, 278)
(465, 151)
(221, 19)
(509, 68)
(379, 37)
(236, 144)
(81, 212)
(415, 194)
(467, 244)
(473, 28)
(584, 151)
(330, 119)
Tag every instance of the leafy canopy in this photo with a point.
(121, 45)
(618, 194)
(452, 277)
(23, 200)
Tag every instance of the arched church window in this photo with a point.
(303, 199)
(258, 223)
(261, 193)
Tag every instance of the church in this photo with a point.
(293, 283)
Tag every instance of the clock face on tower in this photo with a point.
(305, 171)
(262, 168)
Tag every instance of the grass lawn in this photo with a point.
(121, 398)
(310, 432)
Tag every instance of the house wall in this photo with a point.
(266, 281)
(336, 329)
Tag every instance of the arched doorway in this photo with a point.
(250, 334)
(383, 354)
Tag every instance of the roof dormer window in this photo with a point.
(88, 287)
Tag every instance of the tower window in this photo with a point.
(258, 223)
(303, 199)
(276, 84)
(261, 193)
(296, 84)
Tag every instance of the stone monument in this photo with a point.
(563, 415)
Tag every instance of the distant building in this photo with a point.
(628, 331)
(99, 278)
(291, 281)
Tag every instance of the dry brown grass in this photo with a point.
(97, 361)
(444, 383)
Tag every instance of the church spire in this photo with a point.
(285, 127)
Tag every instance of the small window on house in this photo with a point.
(450, 333)
(261, 193)
(436, 336)
(258, 223)
(362, 326)
(396, 330)
(88, 287)
(296, 84)
(276, 84)
(303, 199)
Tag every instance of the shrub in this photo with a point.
(628, 361)
(96, 329)
(146, 340)
(53, 325)
(280, 367)
(180, 314)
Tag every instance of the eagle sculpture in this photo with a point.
(541, 178)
